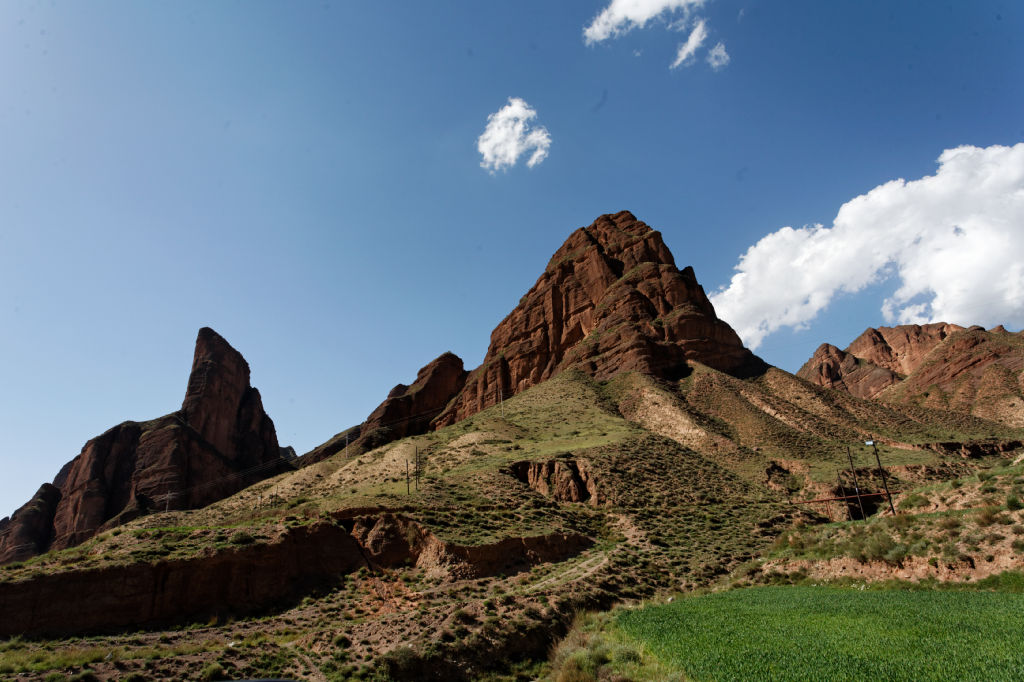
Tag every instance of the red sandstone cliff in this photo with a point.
(937, 365)
(611, 300)
(220, 441)
(407, 411)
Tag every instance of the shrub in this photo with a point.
(401, 663)
(241, 537)
(914, 500)
(987, 516)
(949, 523)
(84, 676)
(212, 672)
(1013, 502)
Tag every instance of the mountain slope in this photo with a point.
(620, 458)
(942, 366)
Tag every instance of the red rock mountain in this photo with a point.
(407, 411)
(876, 359)
(939, 365)
(219, 442)
(610, 300)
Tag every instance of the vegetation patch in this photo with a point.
(828, 633)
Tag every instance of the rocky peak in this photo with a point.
(218, 385)
(220, 441)
(834, 368)
(610, 300)
(900, 349)
(937, 365)
(407, 411)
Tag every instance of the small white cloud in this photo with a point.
(622, 16)
(953, 241)
(692, 44)
(508, 136)
(718, 57)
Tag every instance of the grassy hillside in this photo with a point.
(474, 570)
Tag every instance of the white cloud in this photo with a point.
(508, 136)
(692, 44)
(718, 57)
(954, 242)
(622, 16)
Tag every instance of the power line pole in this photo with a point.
(885, 481)
(856, 485)
(407, 491)
(842, 494)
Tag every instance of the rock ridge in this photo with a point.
(220, 441)
(610, 300)
(938, 365)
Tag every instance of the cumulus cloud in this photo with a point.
(692, 44)
(622, 16)
(951, 242)
(509, 135)
(718, 57)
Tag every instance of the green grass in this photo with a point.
(827, 633)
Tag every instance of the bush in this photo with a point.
(401, 663)
(949, 523)
(987, 516)
(914, 500)
(241, 537)
(212, 672)
(84, 676)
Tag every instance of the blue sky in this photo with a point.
(305, 178)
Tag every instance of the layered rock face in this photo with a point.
(876, 359)
(407, 411)
(611, 300)
(834, 368)
(220, 441)
(936, 365)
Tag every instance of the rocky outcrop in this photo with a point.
(392, 540)
(876, 359)
(245, 580)
(240, 580)
(942, 366)
(407, 411)
(901, 349)
(611, 300)
(30, 530)
(220, 441)
(562, 480)
(834, 368)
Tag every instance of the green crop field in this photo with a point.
(827, 633)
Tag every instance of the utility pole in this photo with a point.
(842, 494)
(407, 491)
(856, 485)
(885, 481)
